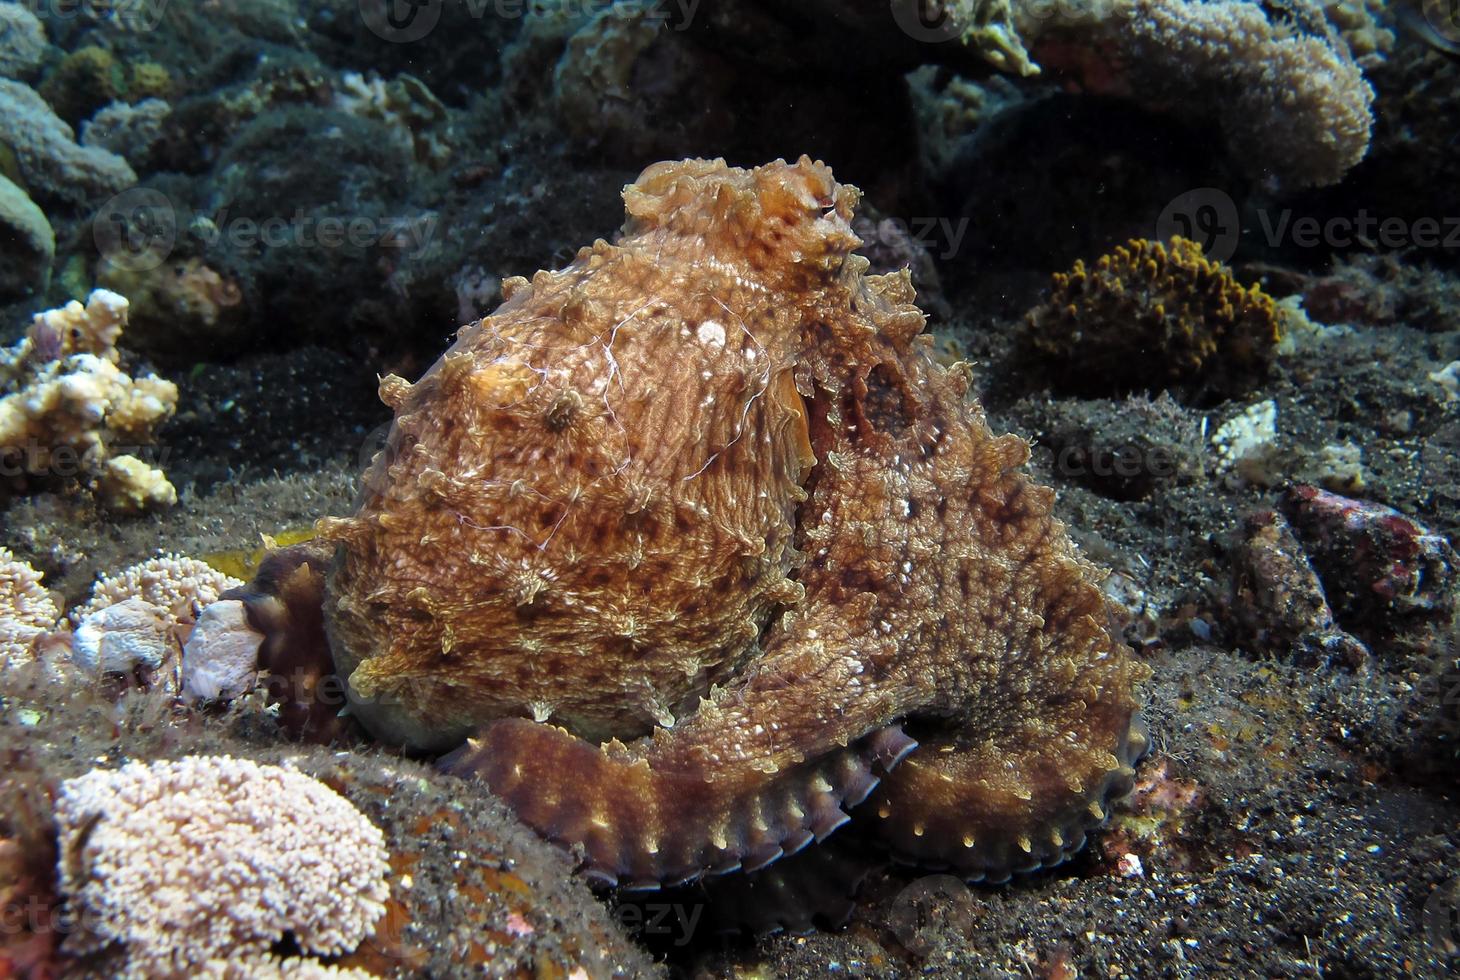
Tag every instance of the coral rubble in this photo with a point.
(137, 620)
(67, 411)
(707, 494)
(1149, 316)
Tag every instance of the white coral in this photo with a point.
(26, 610)
(184, 864)
(182, 586)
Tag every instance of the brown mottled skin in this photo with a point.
(684, 533)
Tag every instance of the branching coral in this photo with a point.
(67, 410)
(186, 863)
(1150, 316)
(26, 609)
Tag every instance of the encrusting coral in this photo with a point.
(182, 864)
(707, 494)
(67, 409)
(1151, 316)
(1283, 86)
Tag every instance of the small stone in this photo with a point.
(121, 638)
(221, 658)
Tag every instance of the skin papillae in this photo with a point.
(695, 545)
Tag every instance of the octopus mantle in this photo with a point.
(694, 545)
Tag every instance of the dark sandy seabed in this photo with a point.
(1297, 812)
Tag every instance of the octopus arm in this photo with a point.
(730, 788)
(987, 811)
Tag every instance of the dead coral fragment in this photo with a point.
(1147, 317)
(67, 410)
(138, 619)
(1277, 601)
(181, 863)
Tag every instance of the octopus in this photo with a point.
(693, 546)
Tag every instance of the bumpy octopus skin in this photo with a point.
(696, 546)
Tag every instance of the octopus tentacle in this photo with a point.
(644, 823)
(988, 812)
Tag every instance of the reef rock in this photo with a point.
(686, 531)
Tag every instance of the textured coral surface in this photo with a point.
(1149, 316)
(707, 493)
